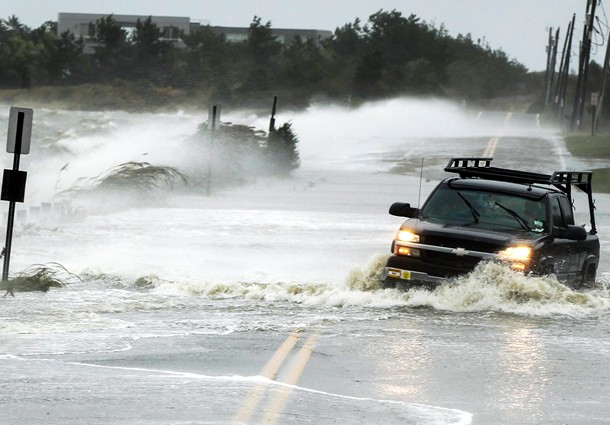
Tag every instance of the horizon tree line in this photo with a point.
(390, 54)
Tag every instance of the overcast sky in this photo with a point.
(519, 27)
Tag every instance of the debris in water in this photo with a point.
(39, 277)
(139, 176)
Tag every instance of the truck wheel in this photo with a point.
(588, 278)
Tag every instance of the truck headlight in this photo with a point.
(517, 256)
(406, 236)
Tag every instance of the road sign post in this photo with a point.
(213, 124)
(13, 182)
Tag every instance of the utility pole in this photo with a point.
(547, 74)
(566, 72)
(556, 95)
(553, 61)
(586, 69)
(602, 93)
(583, 67)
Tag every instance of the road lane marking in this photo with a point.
(269, 371)
(273, 365)
(278, 403)
(490, 148)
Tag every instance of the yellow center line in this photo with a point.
(273, 365)
(490, 149)
(278, 403)
(269, 371)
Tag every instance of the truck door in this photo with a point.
(566, 252)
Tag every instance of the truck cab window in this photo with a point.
(566, 210)
(558, 220)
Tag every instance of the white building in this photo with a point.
(84, 25)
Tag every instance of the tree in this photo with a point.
(347, 40)
(19, 57)
(464, 79)
(303, 67)
(262, 45)
(282, 149)
(60, 56)
(151, 51)
(421, 77)
(111, 54)
(212, 63)
(401, 41)
(68, 63)
(389, 55)
(367, 79)
(14, 26)
(19, 54)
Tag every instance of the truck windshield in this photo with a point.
(487, 210)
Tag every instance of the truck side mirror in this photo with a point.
(401, 209)
(572, 232)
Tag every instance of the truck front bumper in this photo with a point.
(412, 272)
(393, 277)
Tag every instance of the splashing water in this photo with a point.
(263, 214)
(491, 287)
(495, 287)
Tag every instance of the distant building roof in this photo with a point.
(84, 25)
(283, 35)
(77, 23)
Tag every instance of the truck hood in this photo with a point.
(471, 234)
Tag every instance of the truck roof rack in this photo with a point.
(481, 168)
(563, 180)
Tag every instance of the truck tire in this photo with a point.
(589, 274)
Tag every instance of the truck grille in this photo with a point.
(464, 263)
(469, 245)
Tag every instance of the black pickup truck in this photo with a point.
(486, 213)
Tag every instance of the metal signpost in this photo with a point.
(213, 124)
(272, 119)
(13, 182)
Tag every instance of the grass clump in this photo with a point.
(39, 278)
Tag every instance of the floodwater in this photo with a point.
(261, 303)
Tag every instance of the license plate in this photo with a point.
(405, 274)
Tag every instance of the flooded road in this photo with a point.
(261, 304)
